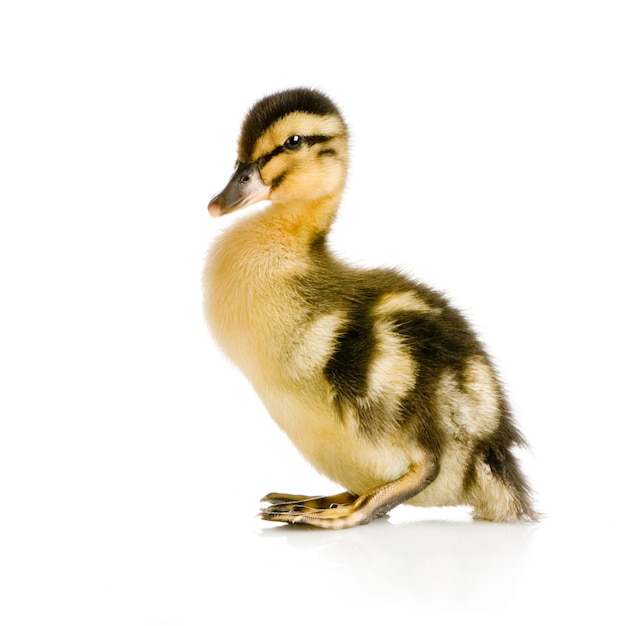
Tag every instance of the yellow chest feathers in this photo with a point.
(250, 304)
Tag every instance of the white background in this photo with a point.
(488, 145)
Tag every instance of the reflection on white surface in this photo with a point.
(454, 570)
(427, 564)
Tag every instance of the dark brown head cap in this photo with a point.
(276, 106)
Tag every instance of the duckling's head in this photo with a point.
(293, 147)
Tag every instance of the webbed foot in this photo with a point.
(346, 510)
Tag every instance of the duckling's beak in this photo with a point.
(244, 188)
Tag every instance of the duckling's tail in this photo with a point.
(497, 488)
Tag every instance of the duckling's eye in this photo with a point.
(295, 141)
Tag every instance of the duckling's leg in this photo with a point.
(346, 510)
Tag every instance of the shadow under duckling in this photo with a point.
(377, 380)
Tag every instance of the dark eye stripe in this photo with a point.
(310, 140)
(264, 160)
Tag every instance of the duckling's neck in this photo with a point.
(303, 221)
(273, 243)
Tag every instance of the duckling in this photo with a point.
(377, 380)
